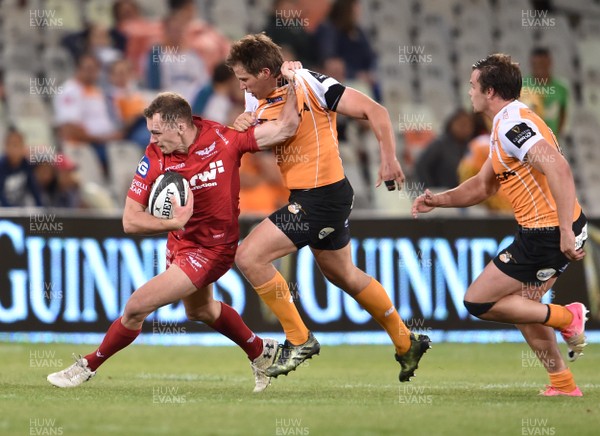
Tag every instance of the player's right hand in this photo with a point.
(182, 214)
(423, 203)
(244, 121)
(567, 246)
(288, 70)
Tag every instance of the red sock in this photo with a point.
(117, 337)
(230, 324)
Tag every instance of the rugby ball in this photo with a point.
(167, 185)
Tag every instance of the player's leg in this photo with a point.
(254, 257)
(201, 306)
(165, 288)
(338, 268)
(495, 296)
(542, 341)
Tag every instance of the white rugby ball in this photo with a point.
(167, 185)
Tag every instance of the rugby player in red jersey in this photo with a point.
(203, 234)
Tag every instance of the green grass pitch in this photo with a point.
(460, 389)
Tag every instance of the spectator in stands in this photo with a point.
(208, 43)
(173, 65)
(100, 45)
(105, 43)
(82, 111)
(221, 100)
(340, 37)
(543, 93)
(128, 102)
(18, 186)
(438, 164)
(287, 27)
(140, 32)
(477, 153)
(58, 181)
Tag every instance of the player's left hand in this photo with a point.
(567, 246)
(288, 69)
(391, 173)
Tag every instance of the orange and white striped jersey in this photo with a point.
(311, 158)
(516, 129)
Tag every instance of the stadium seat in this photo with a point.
(37, 131)
(152, 9)
(87, 162)
(442, 101)
(69, 11)
(58, 64)
(123, 158)
(22, 58)
(589, 61)
(583, 7)
(95, 196)
(354, 172)
(98, 12)
(518, 44)
(230, 17)
(445, 10)
(588, 28)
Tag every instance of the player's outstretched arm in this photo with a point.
(355, 104)
(549, 161)
(470, 192)
(284, 127)
(137, 221)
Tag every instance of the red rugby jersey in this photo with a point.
(212, 168)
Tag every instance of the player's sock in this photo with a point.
(563, 381)
(276, 294)
(117, 337)
(230, 324)
(377, 302)
(559, 317)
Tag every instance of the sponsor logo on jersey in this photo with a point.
(505, 257)
(545, 274)
(175, 167)
(206, 177)
(207, 151)
(225, 140)
(326, 232)
(275, 99)
(519, 134)
(137, 187)
(505, 175)
(143, 166)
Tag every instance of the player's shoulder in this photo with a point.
(515, 130)
(510, 116)
(150, 162)
(315, 78)
(216, 132)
